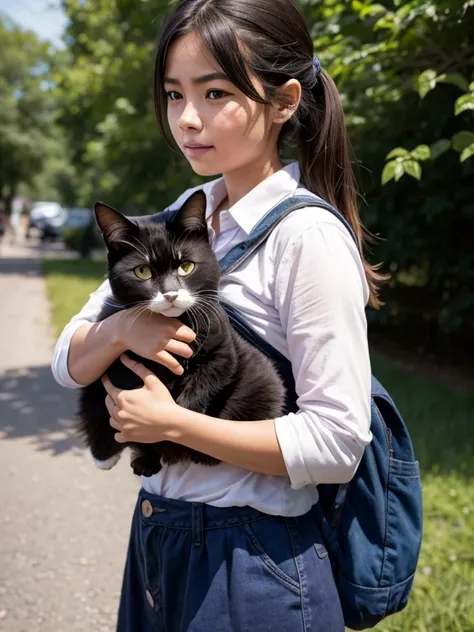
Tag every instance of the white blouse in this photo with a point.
(305, 292)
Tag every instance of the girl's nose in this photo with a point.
(190, 118)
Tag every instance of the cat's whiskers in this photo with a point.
(200, 315)
(140, 308)
(212, 306)
(144, 253)
(145, 249)
(204, 308)
(112, 303)
(193, 321)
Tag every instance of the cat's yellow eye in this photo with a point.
(143, 272)
(186, 268)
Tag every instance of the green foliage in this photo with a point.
(404, 161)
(73, 238)
(82, 240)
(24, 112)
(405, 70)
(427, 81)
(33, 154)
(107, 107)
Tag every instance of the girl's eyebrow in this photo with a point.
(198, 80)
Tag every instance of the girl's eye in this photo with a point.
(186, 268)
(172, 95)
(143, 272)
(219, 93)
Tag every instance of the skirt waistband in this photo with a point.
(182, 514)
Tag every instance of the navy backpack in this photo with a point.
(372, 526)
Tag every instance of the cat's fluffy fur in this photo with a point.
(226, 377)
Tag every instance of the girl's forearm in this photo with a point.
(93, 348)
(252, 445)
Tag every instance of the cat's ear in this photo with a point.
(192, 215)
(114, 226)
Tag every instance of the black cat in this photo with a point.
(169, 267)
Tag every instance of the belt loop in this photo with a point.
(197, 524)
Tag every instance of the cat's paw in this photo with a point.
(144, 466)
(108, 464)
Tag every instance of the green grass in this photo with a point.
(441, 423)
(69, 283)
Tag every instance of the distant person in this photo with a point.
(4, 222)
(15, 218)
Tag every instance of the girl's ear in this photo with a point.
(192, 215)
(114, 226)
(286, 101)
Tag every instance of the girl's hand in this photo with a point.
(143, 414)
(155, 337)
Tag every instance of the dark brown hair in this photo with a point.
(270, 39)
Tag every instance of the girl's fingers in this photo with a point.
(110, 404)
(115, 424)
(180, 348)
(167, 360)
(184, 333)
(120, 437)
(112, 390)
(138, 368)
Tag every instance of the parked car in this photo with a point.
(77, 217)
(48, 217)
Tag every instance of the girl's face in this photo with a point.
(208, 110)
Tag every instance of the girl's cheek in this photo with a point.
(230, 119)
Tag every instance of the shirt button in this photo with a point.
(149, 598)
(147, 509)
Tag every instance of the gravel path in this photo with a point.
(63, 523)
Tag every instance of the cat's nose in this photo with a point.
(171, 296)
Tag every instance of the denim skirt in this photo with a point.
(196, 568)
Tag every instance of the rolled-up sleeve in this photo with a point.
(89, 313)
(321, 293)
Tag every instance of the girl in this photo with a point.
(236, 546)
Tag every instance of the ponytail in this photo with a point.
(270, 37)
(326, 167)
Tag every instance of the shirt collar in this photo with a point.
(249, 210)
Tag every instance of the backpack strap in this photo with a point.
(332, 496)
(275, 215)
(282, 364)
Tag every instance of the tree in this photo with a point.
(107, 105)
(26, 108)
(381, 55)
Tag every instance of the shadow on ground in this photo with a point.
(16, 266)
(33, 405)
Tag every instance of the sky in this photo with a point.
(45, 17)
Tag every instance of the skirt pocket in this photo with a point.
(270, 541)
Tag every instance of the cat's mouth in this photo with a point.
(166, 309)
(171, 307)
(173, 311)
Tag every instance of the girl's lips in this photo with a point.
(196, 151)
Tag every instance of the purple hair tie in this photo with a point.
(317, 65)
